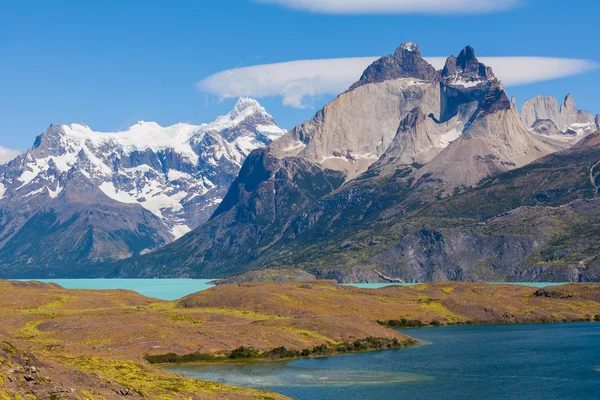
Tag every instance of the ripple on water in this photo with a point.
(274, 375)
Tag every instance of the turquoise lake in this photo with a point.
(552, 361)
(172, 289)
(165, 289)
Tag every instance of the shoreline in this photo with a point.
(364, 345)
(418, 343)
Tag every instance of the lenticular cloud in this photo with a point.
(396, 6)
(298, 82)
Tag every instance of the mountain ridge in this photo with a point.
(460, 118)
(154, 183)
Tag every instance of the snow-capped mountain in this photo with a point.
(162, 181)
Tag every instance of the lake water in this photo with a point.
(172, 289)
(166, 289)
(552, 361)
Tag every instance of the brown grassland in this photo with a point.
(91, 344)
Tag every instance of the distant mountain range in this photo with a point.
(413, 174)
(80, 197)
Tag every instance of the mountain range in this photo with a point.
(413, 174)
(79, 197)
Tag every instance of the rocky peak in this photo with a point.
(247, 106)
(247, 119)
(569, 102)
(566, 117)
(406, 62)
(466, 70)
(597, 120)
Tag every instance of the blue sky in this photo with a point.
(111, 63)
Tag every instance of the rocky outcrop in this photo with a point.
(492, 140)
(406, 62)
(545, 127)
(567, 118)
(355, 129)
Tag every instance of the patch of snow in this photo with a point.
(273, 132)
(458, 80)
(139, 137)
(2, 190)
(175, 175)
(34, 192)
(157, 201)
(409, 82)
(296, 146)
(26, 177)
(350, 157)
(180, 230)
(246, 144)
(54, 193)
(582, 128)
(245, 108)
(410, 46)
(121, 196)
(334, 158)
(364, 156)
(449, 137)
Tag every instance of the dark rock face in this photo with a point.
(466, 80)
(406, 62)
(262, 203)
(466, 68)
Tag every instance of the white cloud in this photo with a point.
(294, 81)
(7, 155)
(298, 82)
(396, 6)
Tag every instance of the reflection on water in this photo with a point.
(275, 375)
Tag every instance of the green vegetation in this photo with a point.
(402, 323)
(597, 317)
(249, 353)
(172, 358)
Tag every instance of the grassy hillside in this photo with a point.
(93, 344)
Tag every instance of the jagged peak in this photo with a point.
(247, 103)
(466, 57)
(408, 47)
(406, 62)
(466, 70)
(569, 102)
